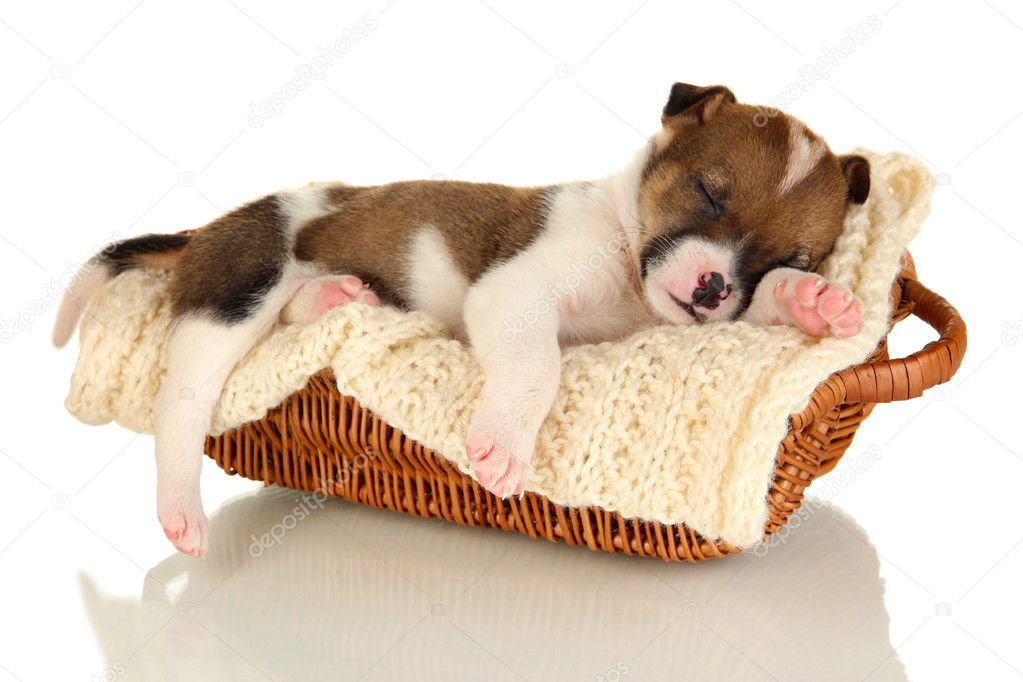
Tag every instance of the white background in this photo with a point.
(126, 117)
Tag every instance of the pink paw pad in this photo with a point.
(821, 308)
(340, 291)
(497, 470)
(187, 537)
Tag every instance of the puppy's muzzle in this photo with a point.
(711, 290)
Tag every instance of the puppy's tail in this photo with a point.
(152, 250)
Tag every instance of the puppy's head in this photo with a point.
(726, 197)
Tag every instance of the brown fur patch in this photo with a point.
(482, 224)
(229, 264)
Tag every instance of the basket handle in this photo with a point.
(886, 381)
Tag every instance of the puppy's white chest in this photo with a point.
(606, 313)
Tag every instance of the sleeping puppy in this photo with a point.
(716, 219)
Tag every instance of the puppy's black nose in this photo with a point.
(711, 290)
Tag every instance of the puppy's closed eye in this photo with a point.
(713, 201)
(797, 260)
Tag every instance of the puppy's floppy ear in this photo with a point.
(689, 104)
(856, 170)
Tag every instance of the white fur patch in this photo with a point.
(804, 153)
(436, 285)
(301, 205)
(571, 282)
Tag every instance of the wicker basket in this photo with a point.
(321, 441)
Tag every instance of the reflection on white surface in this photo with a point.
(299, 589)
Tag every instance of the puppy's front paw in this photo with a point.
(496, 464)
(184, 525)
(820, 308)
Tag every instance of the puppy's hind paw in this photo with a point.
(319, 295)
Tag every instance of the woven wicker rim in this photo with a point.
(322, 442)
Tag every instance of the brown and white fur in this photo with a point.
(716, 219)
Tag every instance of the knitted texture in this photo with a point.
(674, 424)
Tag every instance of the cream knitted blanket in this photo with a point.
(675, 424)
